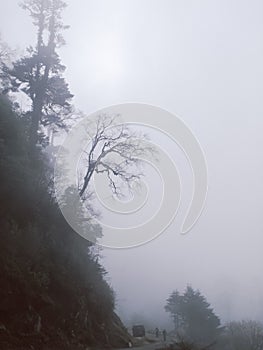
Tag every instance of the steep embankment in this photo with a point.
(53, 293)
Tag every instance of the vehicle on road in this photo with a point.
(138, 331)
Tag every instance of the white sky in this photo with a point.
(201, 60)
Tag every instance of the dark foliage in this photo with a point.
(39, 74)
(194, 319)
(53, 292)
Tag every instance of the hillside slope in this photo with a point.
(53, 290)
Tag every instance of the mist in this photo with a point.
(201, 61)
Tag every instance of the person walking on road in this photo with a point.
(164, 335)
(157, 332)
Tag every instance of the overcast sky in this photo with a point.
(201, 60)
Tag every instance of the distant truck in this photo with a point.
(138, 331)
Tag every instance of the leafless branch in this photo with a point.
(115, 150)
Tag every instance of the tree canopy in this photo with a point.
(39, 74)
(193, 317)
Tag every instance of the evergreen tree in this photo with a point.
(174, 306)
(193, 317)
(39, 73)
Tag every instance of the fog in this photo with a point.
(203, 62)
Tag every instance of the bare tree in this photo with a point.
(115, 150)
(6, 57)
(247, 335)
(4, 50)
